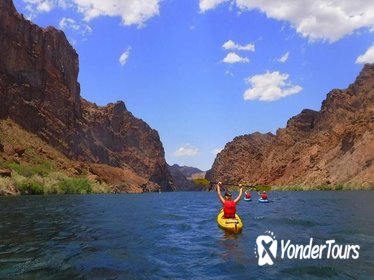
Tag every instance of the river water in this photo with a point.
(175, 236)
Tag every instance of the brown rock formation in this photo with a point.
(5, 172)
(40, 92)
(332, 146)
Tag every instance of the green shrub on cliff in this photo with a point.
(201, 182)
(31, 188)
(53, 183)
(28, 170)
(75, 186)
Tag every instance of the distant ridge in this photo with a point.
(190, 172)
(183, 176)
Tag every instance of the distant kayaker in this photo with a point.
(247, 195)
(264, 195)
(229, 205)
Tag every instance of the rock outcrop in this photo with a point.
(330, 147)
(40, 92)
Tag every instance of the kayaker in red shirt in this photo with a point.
(264, 195)
(247, 195)
(229, 205)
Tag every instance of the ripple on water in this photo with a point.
(294, 222)
(315, 272)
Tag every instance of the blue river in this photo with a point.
(175, 236)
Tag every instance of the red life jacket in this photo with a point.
(264, 196)
(247, 195)
(229, 209)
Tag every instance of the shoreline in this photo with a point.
(323, 188)
(297, 188)
(13, 193)
(43, 179)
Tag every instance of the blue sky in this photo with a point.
(203, 72)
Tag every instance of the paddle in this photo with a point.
(205, 182)
(234, 185)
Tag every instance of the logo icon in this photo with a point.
(266, 248)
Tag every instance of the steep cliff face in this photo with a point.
(40, 92)
(332, 146)
(39, 72)
(229, 163)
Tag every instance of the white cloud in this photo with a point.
(80, 28)
(229, 73)
(216, 151)
(124, 56)
(231, 45)
(45, 6)
(284, 57)
(64, 4)
(234, 58)
(367, 57)
(314, 19)
(269, 87)
(68, 23)
(135, 12)
(36, 7)
(186, 151)
(206, 5)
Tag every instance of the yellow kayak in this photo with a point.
(234, 225)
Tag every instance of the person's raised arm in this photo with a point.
(240, 194)
(219, 193)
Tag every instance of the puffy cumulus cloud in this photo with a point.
(206, 5)
(270, 87)
(367, 57)
(124, 56)
(186, 151)
(35, 7)
(284, 57)
(231, 45)
(69, 23)
(45, 6)
(132, 12)
(313, 19)
(232, 58)
(317, 19)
